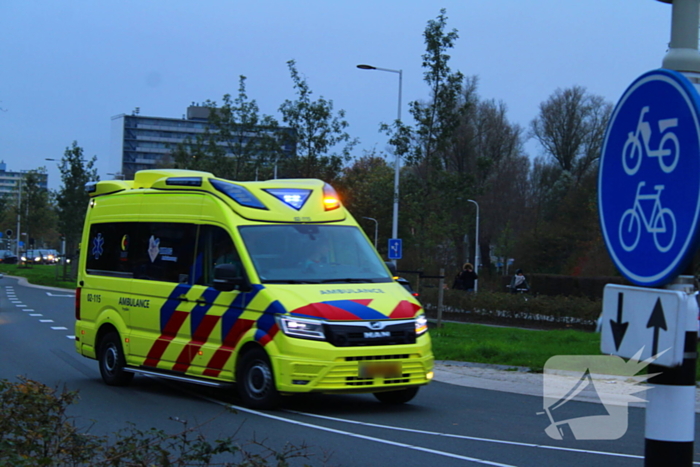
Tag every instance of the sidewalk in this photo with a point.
(520, 381)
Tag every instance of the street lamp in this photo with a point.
(477, 253)
(19, 215)
(376, 229)
(395, 221)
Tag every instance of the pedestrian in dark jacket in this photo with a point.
(466, 278)
(518, 284)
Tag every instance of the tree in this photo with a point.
(571, 127)
(322, 143)
(38, 217)
(247, 136)
(437, 120)
(72, 199)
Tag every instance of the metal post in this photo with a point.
(669, 431)
(477, 253)
(682, 54)
(19, 217)
(376, 230)
(395, 220)
(441, 295)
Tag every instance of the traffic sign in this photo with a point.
(395, 248)
(649, 178)
(643, 322)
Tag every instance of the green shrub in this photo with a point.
(36, 432)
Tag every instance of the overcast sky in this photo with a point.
(67, 67)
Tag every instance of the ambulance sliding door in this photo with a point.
(219, 319)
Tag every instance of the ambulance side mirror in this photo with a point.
(228, 277)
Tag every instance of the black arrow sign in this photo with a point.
(618, 327)
(657, 320)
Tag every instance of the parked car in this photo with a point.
(50, 256)
(7, 257)
(39, 256)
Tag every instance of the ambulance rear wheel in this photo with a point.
(111, 358)
(256, 381)
(397, 397)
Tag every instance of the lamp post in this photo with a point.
(376, 230)
(477, 253)
(395, 221)
(19, 215)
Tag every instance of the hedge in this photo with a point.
(541, 311)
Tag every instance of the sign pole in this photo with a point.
(669, 429)
(670, 413)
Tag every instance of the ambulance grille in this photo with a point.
(377, 357)
(356, 381)
(355, 335)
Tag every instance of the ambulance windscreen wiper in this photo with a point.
(289, 281)
(349, 280)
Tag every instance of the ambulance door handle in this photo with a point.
(183, 298)
(201, 301)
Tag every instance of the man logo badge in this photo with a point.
(375, 334)
(376, 325)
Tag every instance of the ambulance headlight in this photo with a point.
(303, 328)
(421, 325)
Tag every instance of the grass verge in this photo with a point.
(509, 346)
(39, 274)
(528, 348)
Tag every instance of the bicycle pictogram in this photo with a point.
(668, 151)
(661, 224)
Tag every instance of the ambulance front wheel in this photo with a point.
(397, 397)
(111, 358)
(256, 381)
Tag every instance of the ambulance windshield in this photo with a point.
(312, 254)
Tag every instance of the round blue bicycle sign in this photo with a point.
(649, 179)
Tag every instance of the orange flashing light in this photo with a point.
(330, 198)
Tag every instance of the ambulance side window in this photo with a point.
(163, 251)
(108, 251)
(214, 247)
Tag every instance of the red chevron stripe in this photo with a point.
(201, 334)
(405, 309)
(222, 354)
(324, 310)
(170, 331)
(269, 336)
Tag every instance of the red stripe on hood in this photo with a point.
(323, 310)
(405, 309)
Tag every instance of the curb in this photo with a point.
(24, 282)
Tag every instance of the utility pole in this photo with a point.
(19, 216)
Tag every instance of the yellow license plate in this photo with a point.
(380, 369)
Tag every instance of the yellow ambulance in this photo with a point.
(271, 285)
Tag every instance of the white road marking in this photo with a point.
(20, 306)
(46, 321)
(471, 438)
(60, 295)
(28, 310)
(71, 337)
(36, 314)
(59, 328)
(357, 435)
